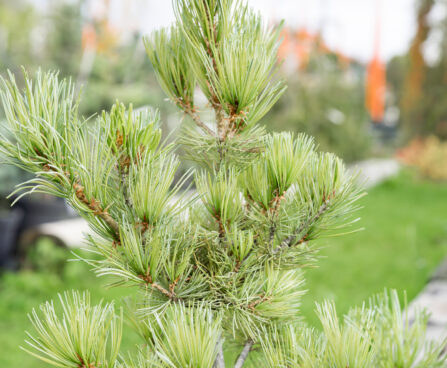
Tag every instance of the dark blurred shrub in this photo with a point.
(101, 96)
(45, 255)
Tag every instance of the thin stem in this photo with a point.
(82, 364)
(123, 182)
(95, 206)
(161, 289)
(305, 225)
(190, 110)
(274, 209)
(196, 118)
(220, 362)
(244, 354)
(154, 285)
(220, 120)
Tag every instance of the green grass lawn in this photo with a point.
(405, 239)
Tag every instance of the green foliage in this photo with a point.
(209, 153)
(85, 334)
(185, 337)
(413, 242)
(222, 265)
(46, 255)
(129, 132)
(181, 337)
(379, 335)
(166, 50)
(42, 114)
(279, 168)
(219, 199)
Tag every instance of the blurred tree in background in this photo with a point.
(420, 84)
(326, 100)
(17, 20)
(52, 37)
(63, 37)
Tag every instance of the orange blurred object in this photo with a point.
(376, 80)
(299, 45)
(98, 34)
(88, 37)
(375, 89)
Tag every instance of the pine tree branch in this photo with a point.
(289, 241)
(149, 281)
(262, 299)
(244, 354)
(161, 289)
(95, 206)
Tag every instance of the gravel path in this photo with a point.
(434, 300)
(373, 171)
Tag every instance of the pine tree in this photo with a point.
(217, 271)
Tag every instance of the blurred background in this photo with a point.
(367, 79)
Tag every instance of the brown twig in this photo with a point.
(161, 289)
(144, 225)
(262, 299)
(192, 112)
(221, 226)
(238, 266)
(82, 364)
(92, 204)
(274, 209)
(95, 206)
(173, 285)
(122, 171)
(289, 241)
(147, 278)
